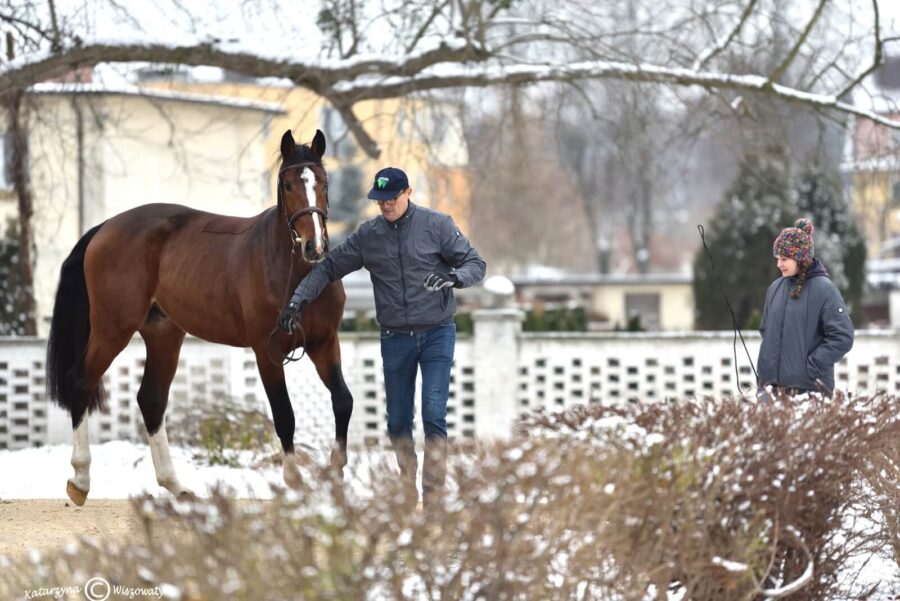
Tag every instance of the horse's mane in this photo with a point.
(302, 154)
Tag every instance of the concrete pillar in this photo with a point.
(496, 359)
(894, 307)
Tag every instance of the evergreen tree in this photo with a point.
(756, 207)
(12, 312)
(837, 239)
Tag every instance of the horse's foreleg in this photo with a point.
(163, 340)
(327, 359)
(282, 414)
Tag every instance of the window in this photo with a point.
(888, 76)
(340, 142)
(6, 181)
(644, 308)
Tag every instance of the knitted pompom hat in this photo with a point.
(796, 242)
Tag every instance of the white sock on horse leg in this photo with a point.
(162, 461)
(81, 456)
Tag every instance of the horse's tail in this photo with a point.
(70, 328)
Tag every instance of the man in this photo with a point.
(415, 257)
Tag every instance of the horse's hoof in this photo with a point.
(187, 495)
(338, 460)
(292, 476)
(77, 495)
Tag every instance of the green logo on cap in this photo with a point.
(381, 182)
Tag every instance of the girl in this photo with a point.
(806, 327)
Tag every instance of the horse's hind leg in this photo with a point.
(78, 485)
(100, 352)
(327, 359)
(163, 340)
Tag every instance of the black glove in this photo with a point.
(436, 280)
(289, 314)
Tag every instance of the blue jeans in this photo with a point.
(402, 355)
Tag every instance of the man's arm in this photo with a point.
(342, 260)
(459, 254)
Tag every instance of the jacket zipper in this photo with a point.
(402, 275)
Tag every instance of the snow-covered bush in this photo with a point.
(691, 500)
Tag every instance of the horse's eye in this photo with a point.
(287, 186)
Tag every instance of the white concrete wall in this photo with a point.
(498, 374)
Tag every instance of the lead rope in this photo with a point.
(289, 357)
(734, 321)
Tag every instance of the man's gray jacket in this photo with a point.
(398, 257)
(803, 338)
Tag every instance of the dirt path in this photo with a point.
(48, 524)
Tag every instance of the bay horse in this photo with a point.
(164, 270)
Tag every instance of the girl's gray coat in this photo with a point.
(803, 338)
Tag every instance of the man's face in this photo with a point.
(392, 210)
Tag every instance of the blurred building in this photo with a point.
(96, 150)
(872, 168)
(873, 164)
(651, 302)
(423, 138)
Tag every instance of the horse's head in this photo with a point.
(303, 194)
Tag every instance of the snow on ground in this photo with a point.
(122, 469)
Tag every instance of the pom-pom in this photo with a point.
(805, 225)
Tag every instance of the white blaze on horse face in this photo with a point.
(81, 456)
(309, 178)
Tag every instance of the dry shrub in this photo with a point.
(799, 475)
(222, 431)
(707, 500)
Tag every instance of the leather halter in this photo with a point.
(295, 237)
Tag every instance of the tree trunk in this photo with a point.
(22, 186)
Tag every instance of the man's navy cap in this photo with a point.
(388, 184)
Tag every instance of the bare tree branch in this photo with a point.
(16, 122)
(354, 32)
(477, 51)
(721, 45)
(777, 74)
(369, 146)
(308, 75)
(20, 23)
(56, 42)
(801, 581)
(525, 74)
(877, 60)
(424, 28)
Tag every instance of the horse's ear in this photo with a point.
(287, 145)
(318, 144)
